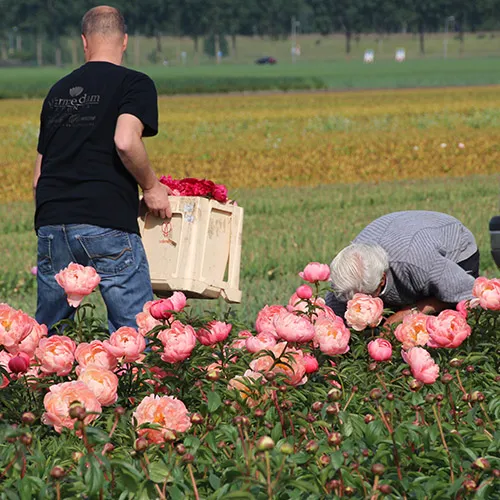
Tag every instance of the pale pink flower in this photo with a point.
(364, 311)
(265, 318)
(449, 329)
(29, 344)
(262, 341)
(244, 384)
(78, 281)
(15, 326)
(412, 331)
(94, 354)
(461, 145)
(314, 271)
(166, 412)
(56, 354)
(240, 342)
(5, 357)
(488, 293)
(58, 401)
(311, 363)
(304, 292)
(293, 328)
(215, 331)
(164, 308)
(146, 322)
(103, 383)
(126, 344)
(291, 364)
(380, 349)
(422, 366)
(178, 342)
(331, 335)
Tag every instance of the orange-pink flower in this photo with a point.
(291, 364)
(380, 349)
(240, 341)
(127, 344)
(449, 329)
(488, 293)
(245, 385)
(422, 366)
(78, 281)
(146, 322)
(261, 341)
(215, 331)
(178, 342)
(412, 332)
(103, 383)
(293, 328)
(15, 326)
(265, 318)
(29, 344)
(56, 354)
(363, 311)
(167, 412)
(314, 271)
(5, 357)
(58, 400)
(331, 335)
(94, 354)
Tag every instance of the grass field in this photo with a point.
(310, 170)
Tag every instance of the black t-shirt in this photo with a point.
(83, 180)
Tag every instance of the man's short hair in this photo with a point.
(104, 21)
(358, 268)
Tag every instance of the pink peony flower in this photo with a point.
(219, 193)
(291, 364)
(34, 270)
(15, 326)
(162, 309)
(325, 311)
(380, 349)
(265, 318)
(19, 363)
(127, 344)
(58, 400)
(56, 354)
(304, 292)
(331, 335)
(244, 385)
(29, 344)
(260, 342)
(412, 331)
(464, 306)
(295, 303)
(103, 383)
(314, 271)
(178, 342)
(78, 282)
(293, 328)
(488, 293)
(311, 363)
(216, 331)
(146, 322)
(94, 354)
(240, 342)
(449, 329)
(5, 357)
(167, 412)
(422, 366)
(363, 311)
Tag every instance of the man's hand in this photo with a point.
(156, 199)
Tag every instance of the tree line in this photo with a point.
(49, 21)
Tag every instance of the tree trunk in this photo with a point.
(74, 53)
(196, 42)
(158, 43)
(348, 36)
(421, 36)
(58, 57)
(19, 43)
(137, 50)
(3, 51)
(39, 51)
(233, 45)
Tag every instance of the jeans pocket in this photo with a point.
(44, 263)
(110, 251)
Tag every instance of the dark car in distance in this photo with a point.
(266, 60)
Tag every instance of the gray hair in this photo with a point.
(358, 268)
(104, 21)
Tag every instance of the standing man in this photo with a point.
(91, 158)
(413, 259)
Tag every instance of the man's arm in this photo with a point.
(36, 173)
(131, 150)
(430, 305)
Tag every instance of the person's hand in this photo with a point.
(156, 199)
(396, 318)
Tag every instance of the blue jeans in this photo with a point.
(117, 256)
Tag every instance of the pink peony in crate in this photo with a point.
(198, 250)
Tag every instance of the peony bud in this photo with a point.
(375, 394)
(286, 449)
(334, 394)
(196, 418)
(169, 436)
(311, 446)
(57, 472)
(141, 444)
(389, 396)
(456, 363)
(304, 292)
(378, 469)
(477, 396)
(447, 378)
(470, 485)
(188, 458)
(324, 460)
(26, 439)
(76, 410)
(311, 363)
(415, 385)
(76, 456)
(317, 406)
(180, 449)
(334, 439)
(19, 363)
(349, 491)
(481, 464)
(28, 418)
(369, 418)
(385, 489)
(265, 443)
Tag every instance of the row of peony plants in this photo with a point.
(303, 404)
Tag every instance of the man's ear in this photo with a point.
(85, 43)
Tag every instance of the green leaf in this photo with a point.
(277, 432)
(214, 401)
(214, 481)
(159, 472)
(337, 459)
